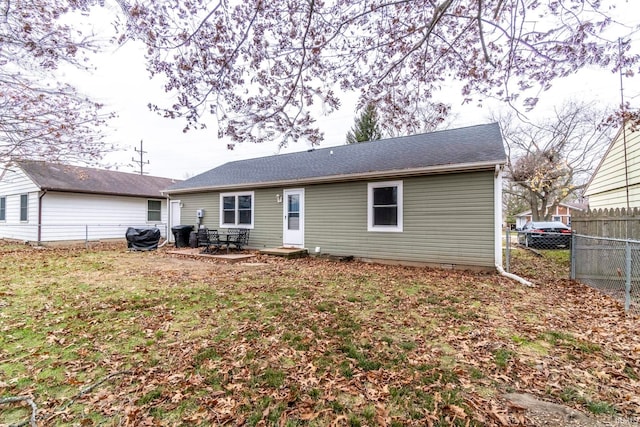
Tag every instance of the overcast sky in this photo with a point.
(122, 83)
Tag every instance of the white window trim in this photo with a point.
(236, 194)
(27, 208)
(148, 210)
(384, 228)
(5, 209)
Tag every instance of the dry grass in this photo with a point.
(108, 337)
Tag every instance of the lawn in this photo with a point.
(107, 337)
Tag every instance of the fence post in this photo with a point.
(627, 287)
(86, 236)
(572, 255)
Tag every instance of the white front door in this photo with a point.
(174, 212)
(293, 234)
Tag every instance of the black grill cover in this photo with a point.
(143, 239)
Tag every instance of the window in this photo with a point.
(3, 208)
(236, 210)
(384, 202)
(24, 207)
(154, 210)
(557, 218)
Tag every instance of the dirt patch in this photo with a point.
(542, 413)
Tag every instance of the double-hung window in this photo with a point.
(3, 208)
(24, 207)
(154, 210)
(384, 202)
(236, 209)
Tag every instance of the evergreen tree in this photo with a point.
(366, 127)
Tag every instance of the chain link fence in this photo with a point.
(610, 265)
(536, 239)
(53, 233)
(545, 239)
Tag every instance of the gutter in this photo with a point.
(103, 193)
(431, 170)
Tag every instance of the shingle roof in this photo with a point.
(446, 150)
(58, 177)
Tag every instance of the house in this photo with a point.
(430, 199)
(47, 202)
(561, 213)
(616, 181)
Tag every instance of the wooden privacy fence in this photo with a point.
(612, 223)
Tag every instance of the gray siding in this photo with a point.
(448, 219)
(192, 202)
(267, 230)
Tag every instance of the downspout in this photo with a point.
(168, 227)
(513, 276)
(497, 209)
(42, 193)
(498, 227)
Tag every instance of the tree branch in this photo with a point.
(438, 13)
(481, 33)
(34, 409)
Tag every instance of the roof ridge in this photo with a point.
(100, 170)
(361, 144)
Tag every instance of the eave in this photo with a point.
(158, 196)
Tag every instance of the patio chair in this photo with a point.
(209, 240)
(238, 238)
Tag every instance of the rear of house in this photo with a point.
(431, 199)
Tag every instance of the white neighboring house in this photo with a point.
(616, 181)
(48, 202)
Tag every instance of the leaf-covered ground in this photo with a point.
(107, 337)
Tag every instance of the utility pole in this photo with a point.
(140, 162)
(624, 138)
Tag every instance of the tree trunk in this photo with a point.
(538, 207)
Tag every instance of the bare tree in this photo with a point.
(552, 160)
(41, 118)
(261, 66)
(513, 201)
(427, 117)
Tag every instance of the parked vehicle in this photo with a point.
(545, 235)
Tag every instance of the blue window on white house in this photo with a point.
(236, 209)
(154, 210)
(3, 208)
(384, 206)
(24, 207)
